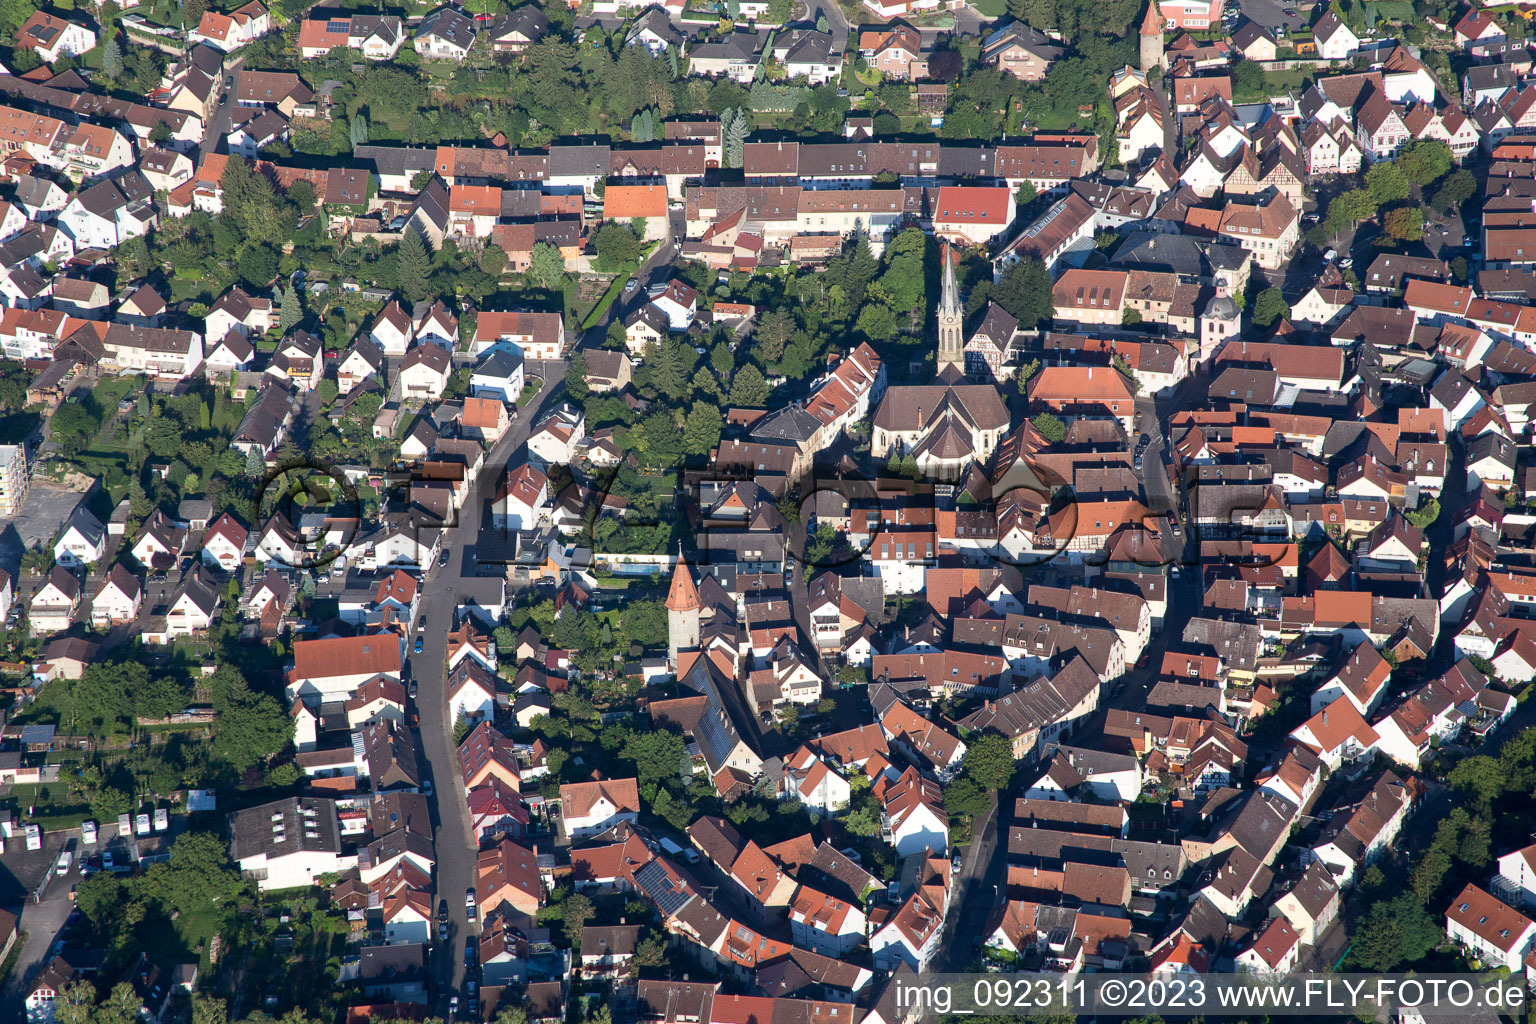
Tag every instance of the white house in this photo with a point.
(118, 599)
(224, 543)
(498, 375)
(407, 917)
(913, 816)
(814, 782)
(522, 500)
(1333, 38)
(1492, 932)
(557, 437)
(679, 302)
(471, 692)
(333, 668)
(287, 844)
(83, 540)
(54, 605)
(826, 924)
(587, 808)
(424, 372)
(1275, 950)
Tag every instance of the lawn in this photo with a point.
(991, 8)
(1275, 83)
(49, 805)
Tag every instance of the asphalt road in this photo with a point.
(455, 843)
(975, 891)
(218, 126)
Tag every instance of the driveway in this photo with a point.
(222, 120)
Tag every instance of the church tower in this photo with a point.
(682, 611)
(1151, 38)
(951, 321)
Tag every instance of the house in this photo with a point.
(54, 604)
(536, 336)
(522, 501)
(471, 692)
(332, 668)
(507, 874)
(556, 438)
(1333, 39)
(287, 844)
(52, 38)
(971, 214)
(1312, 904)
(587, 808)
(445, 34)
(895, 50)
(608, 371)
(913, 816)
(283, 91)
(118, 599)
(375, 36)
(815, 783)
(424, 372)
(498, 375)
(678, 302)
(485, 419)
(82, 542)
(363, 361)
(1020, 51)
(392, 330)
(1275, 950)
(517, 30)
(229, 32)
(1492, 932)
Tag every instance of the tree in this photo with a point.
(413, 265)
(877, 323)
(945, 65)
(1269, 307)
(749, 389)
(576, 377)
(1425, 514)
(1405, 223)
(291, 311)
(546, 267)
(1480, 778)
(989, 761)
(1456, 189)
(822, 25)
(1386, 183)
(1425, 160)
(773, 333)
(964, 797)
(1248, 78)
(257, 265)
(616, 246)
(1026, 193)
(1025, 291)
(576, 912)
(1395, 932)
(701, 430)
(735, 133)
(112, 59)
(1050, 426)
(357, 130)
(862, 823)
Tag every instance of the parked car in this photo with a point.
(417, 648)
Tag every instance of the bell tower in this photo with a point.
(683, 608)
(951, 321)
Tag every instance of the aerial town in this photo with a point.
(701, 512)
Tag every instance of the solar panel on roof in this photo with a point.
(332, 27)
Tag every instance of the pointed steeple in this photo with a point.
(683, 595)
(951, 340)
(1152, 24)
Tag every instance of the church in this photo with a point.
(949, 425)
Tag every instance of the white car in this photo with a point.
(88, 832)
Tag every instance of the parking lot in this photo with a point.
(1272, 16)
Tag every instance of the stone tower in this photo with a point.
(1152, 38)
(682, 611)
(951, 321)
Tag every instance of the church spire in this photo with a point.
(951, 342)
(683, 595)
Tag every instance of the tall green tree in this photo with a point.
(112, 59)
(576, 377)
(748, 388)
(546, 267)
(701, 430)
(413, 267)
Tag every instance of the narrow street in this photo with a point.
(456, 846)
